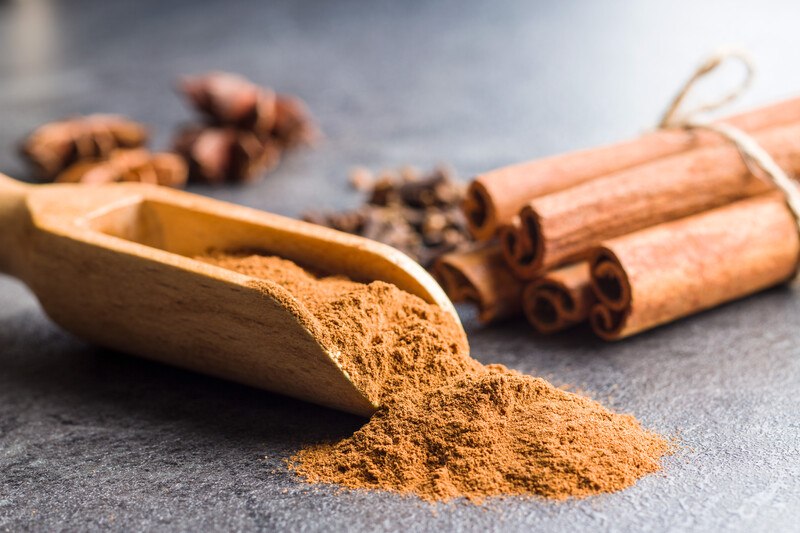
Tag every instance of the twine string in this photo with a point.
(758, 161)
(672, 118)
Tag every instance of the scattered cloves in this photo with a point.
(415, 213)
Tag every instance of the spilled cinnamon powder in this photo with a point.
(449, 427)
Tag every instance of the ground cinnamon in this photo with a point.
(494, 198)
(672, 270)
(449, 427)
(490, 433)
(379, 333)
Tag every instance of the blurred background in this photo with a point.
(91, 438)
(476, 84)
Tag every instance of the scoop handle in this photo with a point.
(14, 219)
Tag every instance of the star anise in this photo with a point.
(53, 147)
(216, 155)
(245, 130)
(231, 100)
(293, 124)
(138, 165)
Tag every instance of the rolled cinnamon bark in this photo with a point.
(495, 197)
(482, 277)
(564, 226)
(678, 268)
(513, 237)
(559, 299)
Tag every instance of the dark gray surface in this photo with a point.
(92, 439)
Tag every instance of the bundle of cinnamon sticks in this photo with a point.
(631, 235)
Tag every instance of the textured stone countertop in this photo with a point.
(94, 439)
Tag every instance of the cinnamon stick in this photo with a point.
(559, 299)
(482, 277)
(507, 235)
(678, 268)
(495, 197)
(564, 226)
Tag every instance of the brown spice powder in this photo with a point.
(448, 426)
(385, 338)
(489, 433)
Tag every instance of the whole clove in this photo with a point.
(416, 213)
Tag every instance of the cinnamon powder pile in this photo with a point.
(449, 427)
(384, 338)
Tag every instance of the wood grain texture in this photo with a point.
(112, 265)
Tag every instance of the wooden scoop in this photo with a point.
(112, 264)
